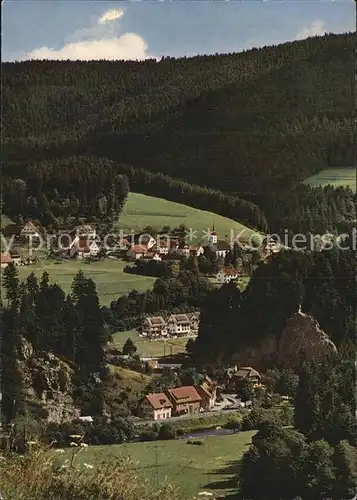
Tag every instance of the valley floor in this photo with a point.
(212, 467)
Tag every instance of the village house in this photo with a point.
(194, 319)
(208, 392)
(86, 230)
(154, 327)
(185, 400)
(16, 257)
(83, 248)
(178, 324)
(221, 248)
(137, 252)
(144, 240)
(162, 246)
(5, 259)
(33, 229)
(226, 275)
(155, 407)
(234, 374)
(196, 250)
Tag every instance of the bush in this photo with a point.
(196, 442)
(167, 432)
(148, 435)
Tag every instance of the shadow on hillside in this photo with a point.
(229, 482)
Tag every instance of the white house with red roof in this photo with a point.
(155, 407)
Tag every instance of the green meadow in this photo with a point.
(108, 275)
(141, 210)
(334, 176)
(211, 467)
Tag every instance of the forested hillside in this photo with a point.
(252, 124)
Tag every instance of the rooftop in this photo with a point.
(158, 400)
(185, 394)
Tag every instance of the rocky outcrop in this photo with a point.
(302, 339)
(47, 382)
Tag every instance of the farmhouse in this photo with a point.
(185, 400)
(155, 407)
(227, 274)
(208, 392)
(5, 259)
(154, 327)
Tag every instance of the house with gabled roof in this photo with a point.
(179, 324)
(208, 392)
(185, 400)
(31, 228)
(234, 374)
(83, 248)
(155, 407)
(194, 318)
(154, 326)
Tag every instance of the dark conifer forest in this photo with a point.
(249, 126)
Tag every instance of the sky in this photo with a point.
(87, 29)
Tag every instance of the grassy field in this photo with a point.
(141, 210)
(334, 176)
(148, 348)
(211, 467)
(108, 275)
(130, 378)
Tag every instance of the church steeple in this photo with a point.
(213, 236)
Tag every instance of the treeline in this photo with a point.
(318, 210)
(93, 186)
(63, 188)
(323, 283)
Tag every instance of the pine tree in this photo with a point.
(11, 284)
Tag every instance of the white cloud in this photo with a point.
(316, 28)
(99, 41)
(125, 47)
(111, 15)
